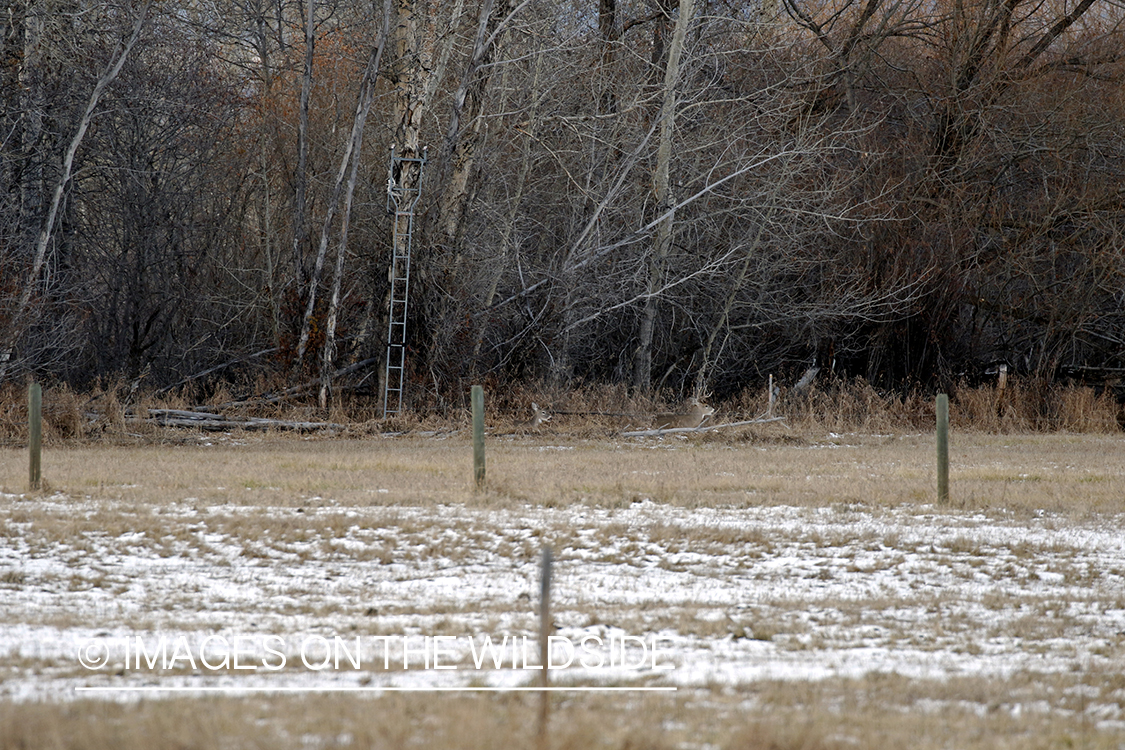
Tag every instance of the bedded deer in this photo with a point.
(693, 417)
(538, 417)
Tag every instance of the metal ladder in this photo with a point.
(404, 188)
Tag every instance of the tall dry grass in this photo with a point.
(1023, 406)
(66, 413)
(115, 411)
(854, 406)
(1035, 407)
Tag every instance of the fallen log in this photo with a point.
(681, 430)
(217, 423)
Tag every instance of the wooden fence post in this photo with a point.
(943, 448)
(35, 433)
(544, 646)
(478, 435)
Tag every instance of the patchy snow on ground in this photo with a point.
(324, 597)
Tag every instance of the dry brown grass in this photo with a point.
(378, 721)
(770, 464)
(880, 711)
(855, 406)
(1030, 407)
(1082, 410)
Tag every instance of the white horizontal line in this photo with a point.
(367, 689)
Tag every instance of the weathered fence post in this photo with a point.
(544, 646)
(478, 435)
(769, 407)
(35, 433)
(943, 448)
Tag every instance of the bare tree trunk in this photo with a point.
(374, 319)
(411, 79)
(662, 245)
(363, 107)
(355, 141)
(521, 183)
(610, 34)
(39, 255)
(265, 211)
(300, 229)
(31, 133)
(468, 103)
(271, 245)
(415, 83)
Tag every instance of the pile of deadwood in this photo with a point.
(209, 420)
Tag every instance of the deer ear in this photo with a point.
(534, 406)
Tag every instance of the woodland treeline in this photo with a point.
(667, 194)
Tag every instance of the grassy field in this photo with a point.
(1066, 473)
(814, 595)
